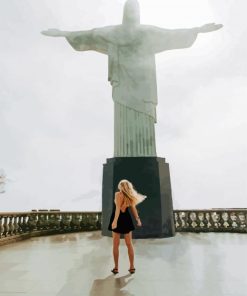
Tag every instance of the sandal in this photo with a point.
(132, 270)
(114, 270)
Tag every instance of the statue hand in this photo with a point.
(53, 33)
(209, 28)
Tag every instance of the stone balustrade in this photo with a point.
(212, 220)
(15, 226)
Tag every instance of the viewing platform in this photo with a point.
(79, 264)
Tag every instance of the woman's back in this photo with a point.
(124, 220)
(123, 204)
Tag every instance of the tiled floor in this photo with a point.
(210, 264)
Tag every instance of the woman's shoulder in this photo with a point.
(118, 193)
(118, 197)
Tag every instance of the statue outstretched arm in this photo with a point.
(209, 28)
(164, 39)
(82, 40)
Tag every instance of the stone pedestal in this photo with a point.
(151, 177)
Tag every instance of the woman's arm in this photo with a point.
(135, 213)
(118, 204)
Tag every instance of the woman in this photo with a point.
(121, 221)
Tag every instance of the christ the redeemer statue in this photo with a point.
(131, 49)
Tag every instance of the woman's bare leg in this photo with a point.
(116, 241)
(128, 241)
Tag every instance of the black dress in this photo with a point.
(124, 222)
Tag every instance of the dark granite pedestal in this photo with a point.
(151, 177)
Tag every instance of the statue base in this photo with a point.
(150, 176)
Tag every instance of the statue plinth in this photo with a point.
(151, 177)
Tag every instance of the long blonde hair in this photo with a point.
(130, 194)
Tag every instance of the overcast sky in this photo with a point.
(56, 110)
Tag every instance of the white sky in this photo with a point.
(56, 110)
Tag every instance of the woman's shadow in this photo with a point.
(111, 286)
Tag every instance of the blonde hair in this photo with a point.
(129, 193)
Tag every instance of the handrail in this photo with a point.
(211, 220)
(18, 225)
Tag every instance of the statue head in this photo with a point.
(131, 14)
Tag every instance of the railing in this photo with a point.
(213, 220)
(20, 225)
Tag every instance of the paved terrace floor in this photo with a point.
(78, 264)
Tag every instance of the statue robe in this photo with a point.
(132, 74)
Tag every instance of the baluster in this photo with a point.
(1, 227)
(215, 218)
(43, 222)
(5, 226)
(175, 217)
(189, 221)
(66, 221)
(98, 223)
(87, 224)
(193, 220)
(58, 221)
(39, 222)
(11, 226)
(75, 223)
(83, 221)
(24, 224)
(51, 220)
(181, 222)
(90, 222)
(242, 219)
(211, 221)
(32, 221)
(225, 219)
(185, 219)
(16, 225)
(94, 220)
(238, 222)
(70, 220)
(46, 220)
(201, 220)
(54, 219)
(233, 219)
(20, 224)
(207, 220)
(221, 221)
